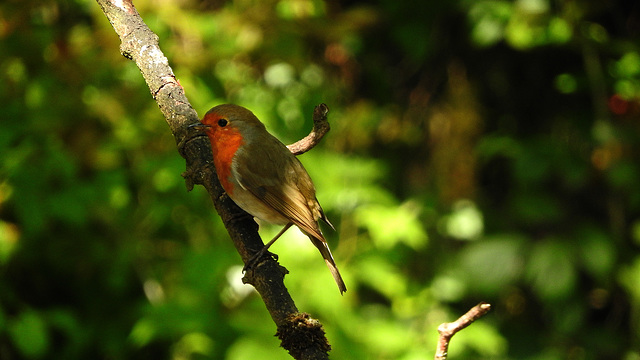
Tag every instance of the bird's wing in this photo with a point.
(284, 192)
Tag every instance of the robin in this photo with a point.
(264, 178)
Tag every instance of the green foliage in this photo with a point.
(480, 150)
(29, 334)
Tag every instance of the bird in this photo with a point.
(264, 178)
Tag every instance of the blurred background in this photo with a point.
(480, 151)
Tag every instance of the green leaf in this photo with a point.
(490, 264)
(597, 252)
(551, 269)
(30, 335)
(390, 225)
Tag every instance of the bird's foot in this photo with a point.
(257, 258)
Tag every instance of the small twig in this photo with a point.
(320, 128)
(447, 330)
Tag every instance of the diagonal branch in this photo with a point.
(140, 44)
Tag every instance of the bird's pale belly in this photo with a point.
(254, 206)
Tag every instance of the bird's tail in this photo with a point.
(331, 264)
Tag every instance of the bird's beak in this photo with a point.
(199, 126)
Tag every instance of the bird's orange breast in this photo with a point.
(225, 143)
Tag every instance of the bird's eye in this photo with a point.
(222, 122)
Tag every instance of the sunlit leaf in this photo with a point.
(389, 226)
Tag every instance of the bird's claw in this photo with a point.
(255, 260)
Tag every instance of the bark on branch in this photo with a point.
(302, 336)
(447, 330)
(320, 128)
